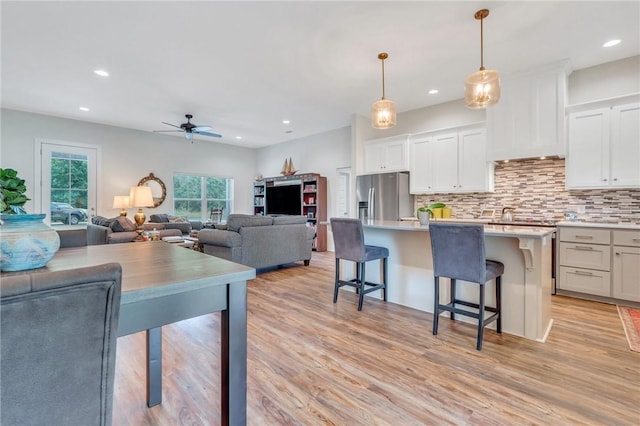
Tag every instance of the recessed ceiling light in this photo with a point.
(238, 137)
(286, 122)
(611, 43)
(101, 73)
(84, 109)
(433, 91)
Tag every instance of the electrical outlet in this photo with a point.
(581, 209)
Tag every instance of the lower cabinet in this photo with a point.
(600, 262)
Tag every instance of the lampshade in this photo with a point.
(482, 88)
(383, 112)
(141, 196)
(121, 202)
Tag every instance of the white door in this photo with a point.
(420, 166)
(68, 175)
(445, 162)
(625, 146)
(587, 164)
(472, 166)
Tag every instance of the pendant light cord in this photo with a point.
(481, 44)
(383, 79)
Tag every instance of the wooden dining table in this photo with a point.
(162, 284)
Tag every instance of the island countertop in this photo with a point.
(489, 230)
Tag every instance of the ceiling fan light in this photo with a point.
(383, 114)
(482, 89)
(188, 135)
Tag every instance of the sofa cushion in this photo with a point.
(102, 221)
(220, 238)
(159, 218)
(177, 219)
(237, 221)
(289, 220)
(122, 224)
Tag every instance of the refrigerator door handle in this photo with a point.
(372, 204)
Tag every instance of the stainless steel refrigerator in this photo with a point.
(384, 196)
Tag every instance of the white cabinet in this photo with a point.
(604, 148)
(626, 265)
(528, 121)
(448, 162)
(600, 261)
(386, 155)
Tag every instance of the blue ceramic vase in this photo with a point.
(26, 242)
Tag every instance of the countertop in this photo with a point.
(489, 230)
(619, 225)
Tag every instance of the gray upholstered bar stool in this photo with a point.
(348, 239)
(459, 254)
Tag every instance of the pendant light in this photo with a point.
(482, 88)
(383, 112)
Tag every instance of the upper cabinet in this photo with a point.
(604, 148)
(528, 121)
(386, 155)
(451, 161)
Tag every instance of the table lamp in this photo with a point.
(140, 196)
(121, 202)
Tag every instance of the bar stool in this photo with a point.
(459, 254)
(348, 238)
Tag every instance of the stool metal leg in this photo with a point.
(384, 279)
(480, 318)
(499, 304)
(436, 304)
(335, 291)
(362, 281)
(453, 297)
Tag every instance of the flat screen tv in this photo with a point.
(284, 199)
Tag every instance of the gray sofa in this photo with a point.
(260, 241)
(103, 231)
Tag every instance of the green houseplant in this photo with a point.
(425, 213)
(27, 242)
(12, 189)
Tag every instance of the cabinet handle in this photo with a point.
(615, 179)
(604, 180)
(617, 253)
(636, 240)
(582, 273)
(583, 248)
(584, 237)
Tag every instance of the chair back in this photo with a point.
(348, 239)
(458, 251)
(216, 215)
(58, 346)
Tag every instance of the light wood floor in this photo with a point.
(311, 362)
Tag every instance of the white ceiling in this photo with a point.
(243, 67)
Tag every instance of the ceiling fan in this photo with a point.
(190, 129)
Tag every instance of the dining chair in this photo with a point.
(58, 346)
(459, 254)
(348, 239)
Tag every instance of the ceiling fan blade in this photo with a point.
(165, 131)
(172, 125)
(213, 135)
(202, 128)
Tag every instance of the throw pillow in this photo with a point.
(102, 221)
(221, 226)
(123, 224)
(177, 219)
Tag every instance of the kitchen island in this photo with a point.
(526, 283)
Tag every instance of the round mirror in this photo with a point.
(158, 189)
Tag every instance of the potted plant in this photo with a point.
(425, 213)
(27, 243)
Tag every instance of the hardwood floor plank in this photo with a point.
(312, 362)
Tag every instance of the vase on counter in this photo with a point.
(26, 242)
(423, 217)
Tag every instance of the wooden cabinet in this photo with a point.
(258, 197)
(604, 148)
(448, 162)
(528, 121)
(600, 261)
(386, 155)
(626, 265)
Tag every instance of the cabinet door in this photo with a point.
(626, 273)
(395, 156)
(587, 163)
(585, 281)
(420, 166)
(473, 173)
(445, 162)
(373, 157)
(625, 146)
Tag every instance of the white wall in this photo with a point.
(127, 156)
(323, 153)
(613, 79)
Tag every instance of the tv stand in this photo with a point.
(313, 201)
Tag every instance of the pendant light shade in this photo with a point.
(482, 88)
(383, 112)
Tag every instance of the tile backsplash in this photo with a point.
(536, 189)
